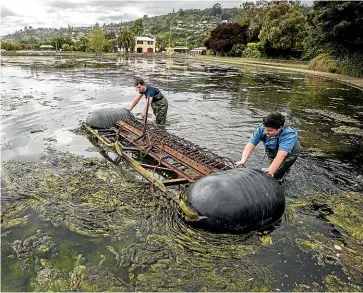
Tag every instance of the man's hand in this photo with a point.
(144, 114)
(240, 164)
(127, 108)
(267, 171)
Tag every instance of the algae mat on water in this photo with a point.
(106, 231)
(71, 223)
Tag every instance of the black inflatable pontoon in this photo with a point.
(108, 117)
(237, 200)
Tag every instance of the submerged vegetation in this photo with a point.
(145, 242)
(137, 241)
(342, 244)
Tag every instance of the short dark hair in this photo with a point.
(139, 81)
(274, 120)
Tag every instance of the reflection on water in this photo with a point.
(214, 106)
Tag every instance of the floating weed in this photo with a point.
(343, 214)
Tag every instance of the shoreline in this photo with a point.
(356, 82)
(300, 67)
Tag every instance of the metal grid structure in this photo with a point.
(171, 159)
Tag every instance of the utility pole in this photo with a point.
(170, 33)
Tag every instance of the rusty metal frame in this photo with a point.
(203, 170)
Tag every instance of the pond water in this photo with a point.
(43, 100)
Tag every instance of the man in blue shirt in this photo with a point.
(158, 102)
(281, 145)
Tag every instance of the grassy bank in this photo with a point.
(250, 61)
(284, 65)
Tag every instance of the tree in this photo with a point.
(162, 42)
(216, 9)
(110, 35)
(66, 47)
(108, 46)
(97, 40)
(224, 36)
(137, 27)
(10, 46)
(57, 42)
(126, 39)
(337, 27)
(252, 14)
(68, 40)
(84, 43)
(284, 27)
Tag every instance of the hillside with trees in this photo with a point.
(328, 33)
(184, 27)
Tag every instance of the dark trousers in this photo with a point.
(288, 161)
(160, 108)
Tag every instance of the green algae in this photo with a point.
(91, 197)
(77, 275)
(11, 217)
(333, 116)
(49, 279)
(174, 277)
(101, 198)
(347, 215)
(266, 239)
(143, 244)
(293, 206)
(309, 245)
(334, 284)
(348, 130)
(344, 214)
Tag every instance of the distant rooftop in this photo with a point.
(144, 39)
(199, 49)
(46, 47)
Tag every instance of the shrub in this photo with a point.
(237, 50)
(324, 63)
(253, 50)
(352, 65)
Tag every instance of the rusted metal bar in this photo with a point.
(174, 181)
(154, 167)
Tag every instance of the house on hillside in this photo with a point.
(177, 49)
(198, 51)
(46, 47)
(145, 45)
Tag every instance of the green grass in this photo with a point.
(242, 61)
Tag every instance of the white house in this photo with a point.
(145, 45)
(198, 51)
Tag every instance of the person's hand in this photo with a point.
(240, 164)
(267, 171)
(127, 108)
(144, 114)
